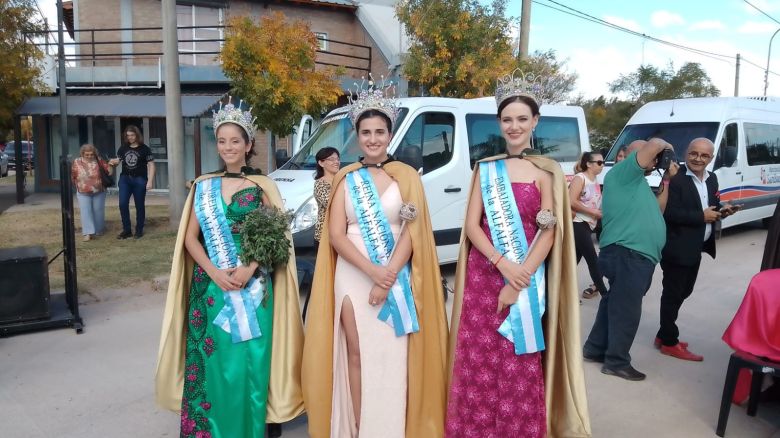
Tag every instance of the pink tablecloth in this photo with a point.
(755, 328)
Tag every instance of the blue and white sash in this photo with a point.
(398, 311)
(523, 326)
(239, 314)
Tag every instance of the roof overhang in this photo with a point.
(117, 105)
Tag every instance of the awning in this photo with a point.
(118, 105)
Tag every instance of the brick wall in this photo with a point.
(99, 14)
(338, 24)
(147, 13)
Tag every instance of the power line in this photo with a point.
(585, 16)
(759, 10)
(758, 66)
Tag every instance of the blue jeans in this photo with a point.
(92, 207)
(617, 320)
(135, 186)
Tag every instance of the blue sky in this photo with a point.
(599, 54)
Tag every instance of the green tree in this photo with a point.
(458, 47)
(607, 117)
(271, 65)
(20, 72)
(555, 80)
(649, 83)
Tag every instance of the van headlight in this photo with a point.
(306, 216)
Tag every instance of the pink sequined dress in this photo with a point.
(494, 392)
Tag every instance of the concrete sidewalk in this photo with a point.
(100, 383)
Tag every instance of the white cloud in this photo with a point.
(665, 18)
(708, 25)
(596, 68)
(756, 27)
(628, 24)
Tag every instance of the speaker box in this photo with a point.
(24, 284)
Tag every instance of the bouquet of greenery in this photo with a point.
(263, 237)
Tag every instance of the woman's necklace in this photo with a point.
(377, 165)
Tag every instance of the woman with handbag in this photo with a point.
(91, 176)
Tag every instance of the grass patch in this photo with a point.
(102, 263)
(10, 180)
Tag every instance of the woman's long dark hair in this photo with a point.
(528, 100)
(582, 163)
(139, 138)
(374, 113)
(322, 154)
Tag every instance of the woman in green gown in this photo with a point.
(228, 327)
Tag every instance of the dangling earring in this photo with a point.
(533, 134)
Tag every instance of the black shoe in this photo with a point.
(124, 235)
(628, 373)
(138, 234)
(593, 358)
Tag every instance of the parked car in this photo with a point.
(3, 164)
(28, 154)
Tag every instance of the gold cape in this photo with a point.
(427, 360)
(564, 381)
(285, 401)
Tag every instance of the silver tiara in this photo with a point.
(380, 98)
(232, 114)
(537, 86)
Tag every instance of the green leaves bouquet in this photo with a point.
(263, 237)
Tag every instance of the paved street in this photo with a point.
(100, 384)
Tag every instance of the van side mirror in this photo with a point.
(281, 157)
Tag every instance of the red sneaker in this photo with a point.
(657, 343)
(680, 352)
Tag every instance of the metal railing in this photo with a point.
(349, 56)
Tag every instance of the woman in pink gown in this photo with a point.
(497, 388)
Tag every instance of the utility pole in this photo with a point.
(174, 123)
(768, 54)
(736, 78)
(525, 28)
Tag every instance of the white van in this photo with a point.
(443, 138)
(746, 133)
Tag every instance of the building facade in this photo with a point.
(115, 74)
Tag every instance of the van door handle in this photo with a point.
(737, 173)
(452, 190)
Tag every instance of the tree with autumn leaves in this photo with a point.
(271, 65)
(458, 47)
(20, 72)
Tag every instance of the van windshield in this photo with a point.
(334, 131)
(677, 134)
(555, 137)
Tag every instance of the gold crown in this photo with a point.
(232, 114)
(373, 98)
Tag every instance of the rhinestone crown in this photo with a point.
(539, 87)
(379, 98)
(230, 113)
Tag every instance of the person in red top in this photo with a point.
(90, 192)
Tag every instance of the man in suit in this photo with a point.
(692, 209)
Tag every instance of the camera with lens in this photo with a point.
(664, 159)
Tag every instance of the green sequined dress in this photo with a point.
(225, 384)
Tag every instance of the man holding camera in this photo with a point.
(691, 212)
(631, 242)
